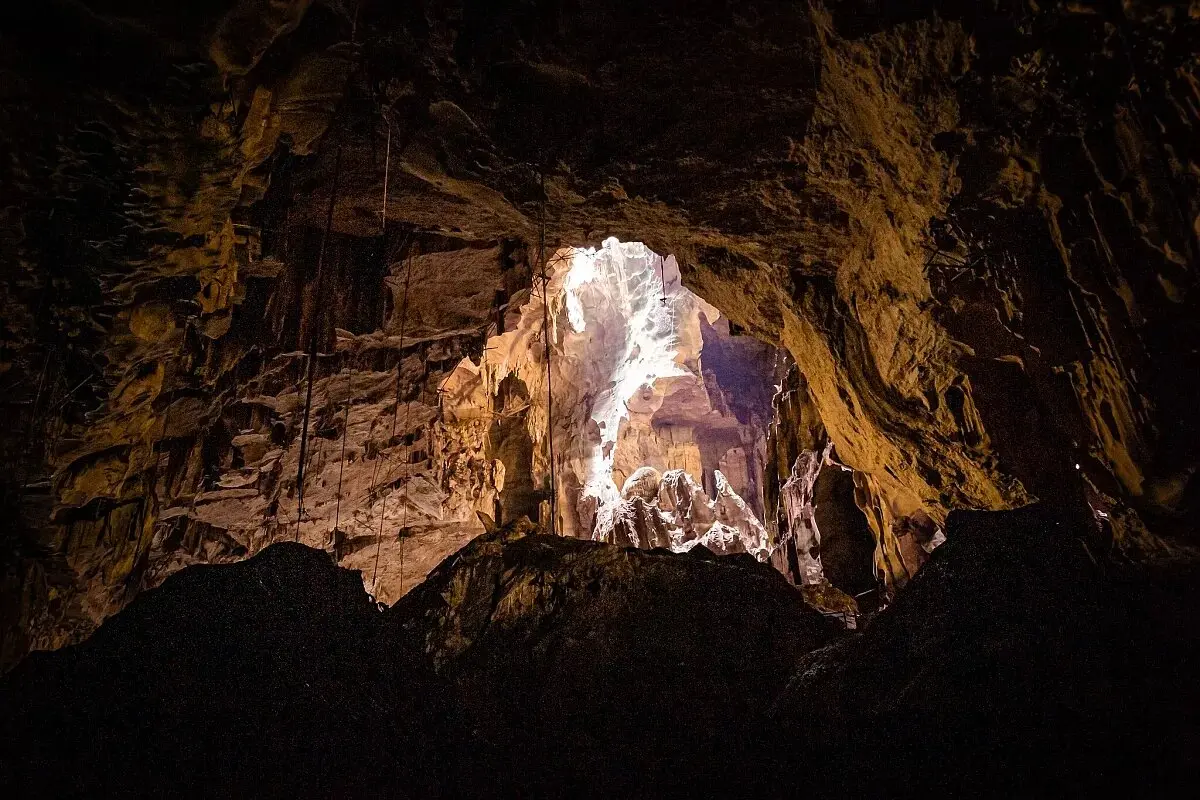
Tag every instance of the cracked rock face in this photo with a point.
(972, 226)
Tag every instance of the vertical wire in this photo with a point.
(314, 339)
(549, 374)
(337, 512)
(350, 369)
(399, 364)
(396, 413)
(407, 412)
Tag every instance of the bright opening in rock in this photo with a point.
(659, 413)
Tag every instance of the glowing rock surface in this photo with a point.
(630, 401)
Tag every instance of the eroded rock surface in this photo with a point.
(972, 225)
(675, 513)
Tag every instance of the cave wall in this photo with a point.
(164, 280)
(973, 225)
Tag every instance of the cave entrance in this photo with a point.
(659, 409)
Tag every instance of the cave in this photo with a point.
(618, 399)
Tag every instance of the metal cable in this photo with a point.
(549, 374)
(396, 413)
(314, 339)
(399, 358)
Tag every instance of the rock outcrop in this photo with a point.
(526, 665)
(262, 678)
(591, 669)
(541, 666)
(1012, 664)
(675, 513)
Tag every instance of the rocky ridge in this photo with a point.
(542, 666)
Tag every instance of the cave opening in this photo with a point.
(672, 443)
(660, 409)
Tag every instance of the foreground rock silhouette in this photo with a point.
(1017, 663)
(529, 665)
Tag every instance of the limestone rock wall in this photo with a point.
(972, 225)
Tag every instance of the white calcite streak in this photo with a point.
(631, 400)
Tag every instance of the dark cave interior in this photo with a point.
(600, 398)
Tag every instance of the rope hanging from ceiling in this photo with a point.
(395, 418)
(317, 325)
(545, 279)
(399, 378)
(402, 531)
(315, 337)
(337, 511)
(387, 161)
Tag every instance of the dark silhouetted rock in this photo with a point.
(611, 671)
(263, 678)
(524, 665)
(1011, 666)
(537, 666)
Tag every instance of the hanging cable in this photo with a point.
(387, 161)
(549, 374)
(402, 531)
(337, 511)
(314, 338)
(396, 414)
(382, 456)
(399, 360)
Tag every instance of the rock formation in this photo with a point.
(977, 680)
(526, 665)
(540, 666)
(242, 232)
(640, 380)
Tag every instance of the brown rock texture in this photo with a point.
(972, 225)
